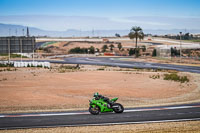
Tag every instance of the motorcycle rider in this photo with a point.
(106, 99)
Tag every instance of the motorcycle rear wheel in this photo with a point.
(94, 110)
(118, 109)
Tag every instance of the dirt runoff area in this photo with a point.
(171, 127)
(63, 88)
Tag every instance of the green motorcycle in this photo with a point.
(99, 105)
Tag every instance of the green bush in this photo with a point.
(154, 53)
(79, 50)
(39, 65)
(6, 65)
(91, 50)
(175, 77)
(135, 51)
(143, 48)
(131, 52)
(104, 48)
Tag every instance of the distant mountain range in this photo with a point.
(19, 30)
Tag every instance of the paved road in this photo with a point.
(176, 43)
(80, 39)
(126, 64)
(83, 118)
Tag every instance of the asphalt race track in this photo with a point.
(83, 118)
(117, 62)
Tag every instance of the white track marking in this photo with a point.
(162, 108)
(142, 122)
(50, 114)
(82, 113)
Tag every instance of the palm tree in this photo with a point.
(136, 32)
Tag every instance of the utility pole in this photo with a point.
(9, 32)
(33, 44)
(180, 45)
(27, 32)
(8, 50)
(23, 31)
(21, 48)
(92, 32)
(16, 32)
(80, 33)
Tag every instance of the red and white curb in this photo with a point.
(82, 113)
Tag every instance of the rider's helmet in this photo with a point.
(96, 94)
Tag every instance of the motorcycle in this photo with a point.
(99, 106)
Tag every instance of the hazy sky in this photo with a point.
(101, 14)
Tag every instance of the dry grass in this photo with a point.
(37, 89)
(175, 127)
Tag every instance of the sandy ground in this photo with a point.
(172, 127)
(37, 89)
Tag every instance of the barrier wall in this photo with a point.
(27, 64)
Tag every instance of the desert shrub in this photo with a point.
(175, 77)
(155, 76)
(101, 69)
(69, 67)
(4, 79)
(8, 69)
(63, 69)
(184, 79)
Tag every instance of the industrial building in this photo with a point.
(17, 44)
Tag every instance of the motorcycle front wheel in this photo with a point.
(94, 110)
(118, 108)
